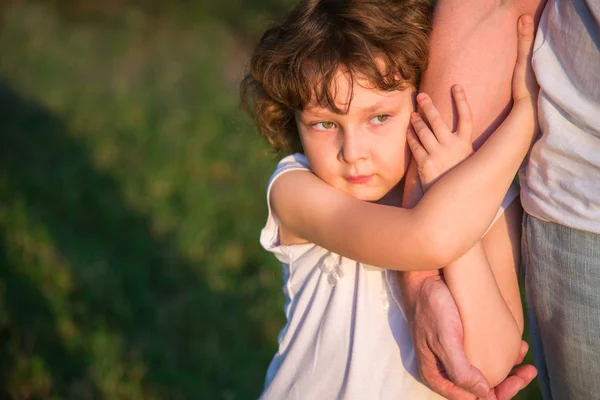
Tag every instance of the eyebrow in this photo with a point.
(375, 107)
(381, 104)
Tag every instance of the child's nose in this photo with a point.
(353, 148)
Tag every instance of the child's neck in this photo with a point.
(394, 196)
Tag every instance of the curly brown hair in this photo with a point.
(297, 60)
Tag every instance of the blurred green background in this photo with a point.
(131, 200)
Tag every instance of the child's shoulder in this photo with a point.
(293, 162)
(277, 234)
(296, 161)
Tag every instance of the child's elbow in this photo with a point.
(437, 248)
(497, 373)
(498, 362)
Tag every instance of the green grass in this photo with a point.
(131, 199)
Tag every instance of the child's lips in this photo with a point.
(358, 179)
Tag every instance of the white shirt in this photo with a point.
(561, 180)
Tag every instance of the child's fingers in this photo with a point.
(416, 148)
(523, 79)
(439, 127)
(427, 138)
(465, 118)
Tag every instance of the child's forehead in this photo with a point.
(361, 100)
(348, 71)
(348, 88)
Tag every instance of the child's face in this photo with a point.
(363, 152)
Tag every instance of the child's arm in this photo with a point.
(449, 220)
(490, 309)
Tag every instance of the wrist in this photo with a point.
(415, 284)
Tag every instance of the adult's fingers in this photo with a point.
(452, 392)
(460, 371)
(435, 377)
(518, 379)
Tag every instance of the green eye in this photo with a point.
(324, 126)
(380, 119)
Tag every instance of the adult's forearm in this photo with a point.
(411, 283)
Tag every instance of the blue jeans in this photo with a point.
(562, 283)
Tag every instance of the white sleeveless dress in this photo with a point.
(346, 336)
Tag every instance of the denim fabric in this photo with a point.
(562, 281)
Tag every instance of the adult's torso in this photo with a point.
(561, 180)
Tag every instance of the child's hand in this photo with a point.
(523, 82)
(524, 85)
(438, 151)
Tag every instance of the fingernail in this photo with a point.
(421, 96)
(526, 20)
(457, 88)
(481, 390)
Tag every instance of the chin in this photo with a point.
(370, 193)
(371, 196)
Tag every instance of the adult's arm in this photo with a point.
(473, 43)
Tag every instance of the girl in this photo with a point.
(335, 83)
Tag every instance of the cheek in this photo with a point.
(397, 146)
(397, 155)
(321, 156)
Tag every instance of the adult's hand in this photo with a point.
(437, 335)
